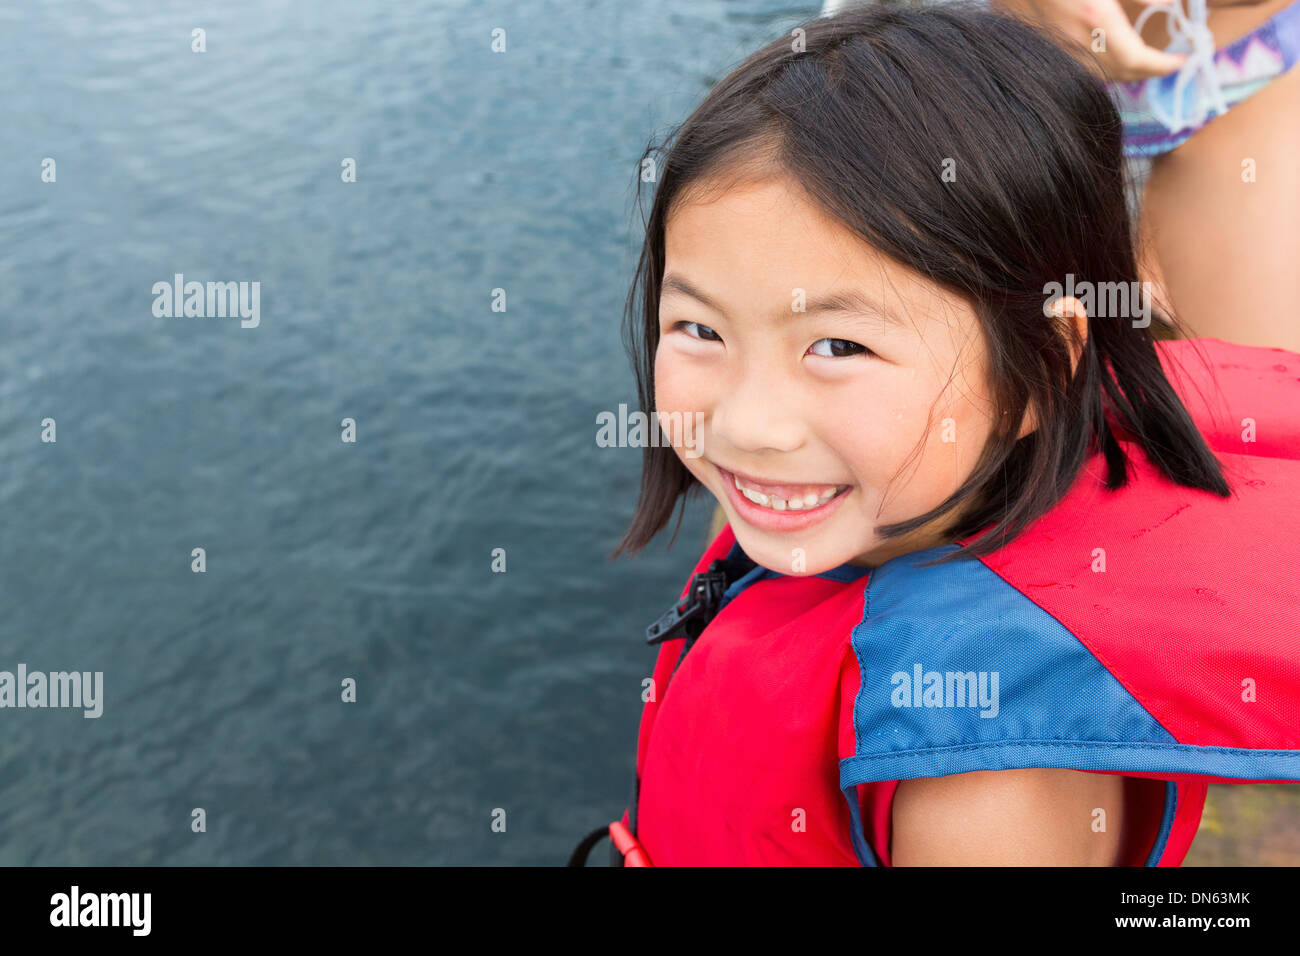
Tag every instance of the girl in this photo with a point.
(964, 608)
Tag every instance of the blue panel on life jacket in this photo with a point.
(1049, 701)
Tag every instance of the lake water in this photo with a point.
(325, 559)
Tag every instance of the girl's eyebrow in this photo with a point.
(847, 301)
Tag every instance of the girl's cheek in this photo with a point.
(908, 442)
(958, 440)
(889, 422)
(678, 388)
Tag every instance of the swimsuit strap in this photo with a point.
(1191, 34)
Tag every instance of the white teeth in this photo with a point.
(810, 500)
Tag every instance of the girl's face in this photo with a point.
(817, 368)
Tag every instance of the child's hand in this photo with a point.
(1122, 54)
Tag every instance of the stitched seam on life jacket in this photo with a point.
(857, 699)
(1082, 744)
(1168, 817)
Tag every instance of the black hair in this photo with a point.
(862, 109)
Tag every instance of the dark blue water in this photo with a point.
(328, 560)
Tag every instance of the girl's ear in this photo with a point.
(1072, 309)
(1067, 307)
(1030, 422)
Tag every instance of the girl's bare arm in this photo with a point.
(1034, 817)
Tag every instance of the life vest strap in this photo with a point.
(624, 847)
(633, 852)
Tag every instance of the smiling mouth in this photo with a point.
(788, 497)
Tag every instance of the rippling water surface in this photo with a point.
(326, 560)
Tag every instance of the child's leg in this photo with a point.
(1229, 250)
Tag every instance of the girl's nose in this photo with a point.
(755, 416)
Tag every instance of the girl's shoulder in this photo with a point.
(1125, 630)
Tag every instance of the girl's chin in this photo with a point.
(790, 556)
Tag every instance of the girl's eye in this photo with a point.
(707, 334)
(838, 348)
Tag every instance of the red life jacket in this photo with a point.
(1152, 631)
